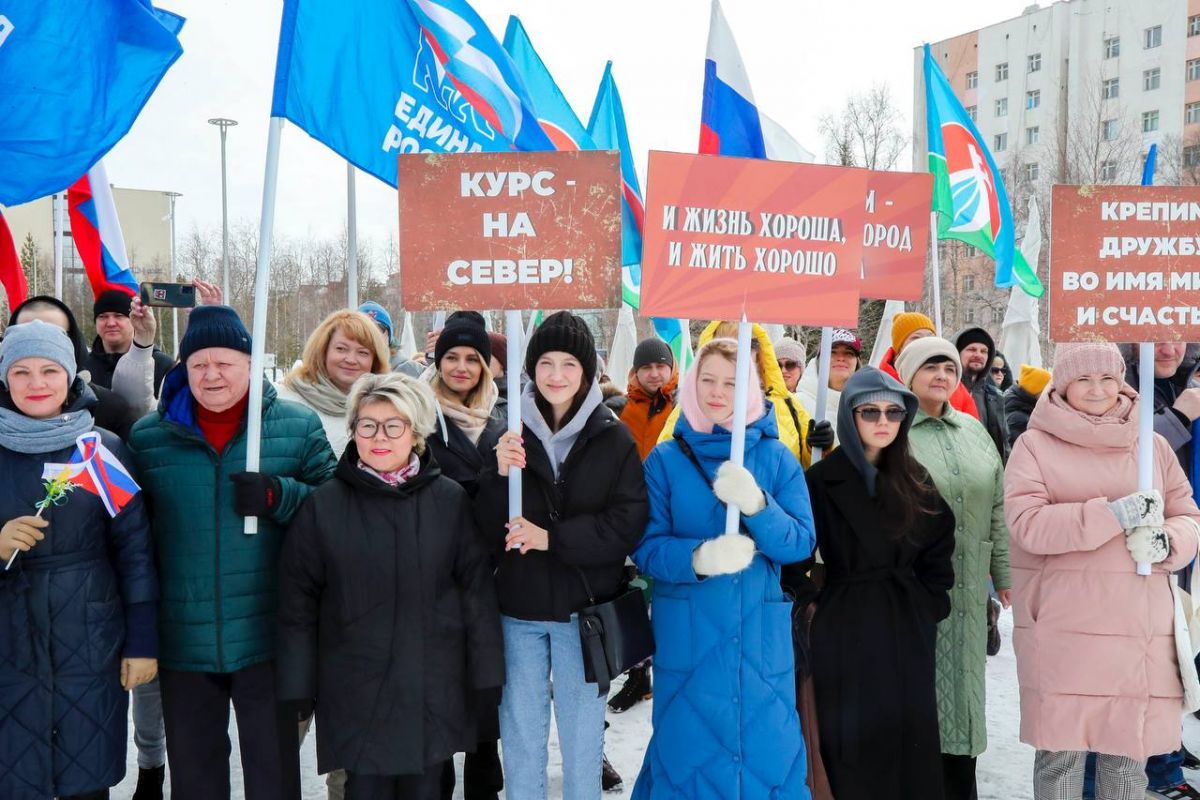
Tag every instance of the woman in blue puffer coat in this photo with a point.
(725, 722)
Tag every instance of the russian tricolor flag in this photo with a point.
(94, 468)
(730, 122)
(97, 233)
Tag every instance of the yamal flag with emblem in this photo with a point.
(968, 193)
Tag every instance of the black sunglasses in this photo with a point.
(871, 413)
(788, 365)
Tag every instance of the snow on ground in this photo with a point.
(1005, 770)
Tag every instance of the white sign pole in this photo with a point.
(351, 240)
(737, 444)
(1145, 427)
(824, 358)
(262, 280)
(937, 273)
(512, 376)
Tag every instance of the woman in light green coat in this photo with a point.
(964, 464)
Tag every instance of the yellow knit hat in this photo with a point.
(905, 324)
(1033, 379)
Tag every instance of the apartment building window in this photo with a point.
(971, 314)
(1152, 37)
(1151, 79)
(1193, 69)
(1033, 99)
(969, 280)
(1111, 89)
(1110, 128)
(1032, 172)
(1112, 47)
(1108, 171)
(972, 80)
(1149, 121)
(1032, 135)
(973, 113)
(1034, 62)
(1192, 113)
(1002, 107)
(1191, 156)
(1194, 25)
(1002, 71)
(998, 315)
(1000, 142)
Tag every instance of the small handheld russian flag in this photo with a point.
(94, 468)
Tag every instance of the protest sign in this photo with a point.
(896, 235)
(773, 241)
(510, 230)
(1125, 264)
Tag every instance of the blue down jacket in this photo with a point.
(63, 609)
(725, 721)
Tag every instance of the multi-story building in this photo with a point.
(1071, 92)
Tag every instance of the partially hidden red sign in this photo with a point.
(517, 230)
(777, 241)
(896, 235)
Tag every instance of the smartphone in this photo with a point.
(168, 295)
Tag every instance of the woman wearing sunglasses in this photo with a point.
(387, 607)
(959, 454)
(887, 538)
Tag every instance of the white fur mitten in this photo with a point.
(724, 555)
(1139, 509)
(735, 486)
(1148, 544)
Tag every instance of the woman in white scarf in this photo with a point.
(345, 346)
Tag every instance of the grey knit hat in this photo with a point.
(789, 348)
(36, 339)
(880, 396)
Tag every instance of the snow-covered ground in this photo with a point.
(1005, 770)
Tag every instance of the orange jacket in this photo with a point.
(645, 415)
(960, 400)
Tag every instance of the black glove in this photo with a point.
(820, 434)
(298, 710)
(255, 494)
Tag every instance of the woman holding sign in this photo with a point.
(1095, 642)
(77, 606)
(584, 502)
(725, 720)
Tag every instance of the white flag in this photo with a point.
(883, 339)
(1019, 335)
(620, 355)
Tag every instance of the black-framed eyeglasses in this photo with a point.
(368, 428)
(872, 413)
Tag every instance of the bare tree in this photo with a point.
(869, 131)
(1179, 160)
(1102, 142)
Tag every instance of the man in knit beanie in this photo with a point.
(217, 615)
(976, 349)
(791, 356)
(1021, 397)
(115, 336)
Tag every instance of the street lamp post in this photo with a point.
(174, 275)
(224, 124)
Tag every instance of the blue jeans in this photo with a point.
(1162, 772)
(534, 654)
(149, 734)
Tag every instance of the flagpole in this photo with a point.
(59, 233)
(351, 239)
(826, 355)
(1145, 460)
(512, 377)
(258, 335)
(737, 444)
(937, 273)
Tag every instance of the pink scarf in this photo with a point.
(689, 399)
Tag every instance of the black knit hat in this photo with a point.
(213, 326)
(472, 316)
(113, 300)
(652, 351)
(563, 332)
(463, 331)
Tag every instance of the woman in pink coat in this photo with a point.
(1094, 640)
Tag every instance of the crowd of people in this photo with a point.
(834, 646)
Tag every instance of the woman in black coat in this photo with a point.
(387, 607)
(886, 538)
(77, 606)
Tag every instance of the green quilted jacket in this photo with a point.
(962, 459)
(218, 584)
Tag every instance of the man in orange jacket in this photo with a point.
(651, 393)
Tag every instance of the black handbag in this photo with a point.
(615, 635)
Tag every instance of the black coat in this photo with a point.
(595, 512)
(873, 639)
(1018, 405)
(64, 611)
(459, 459)
(388, 619)
(102, 365)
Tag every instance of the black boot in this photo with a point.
(610, 779)
(993, 629)
(150, 784)
(636, 689)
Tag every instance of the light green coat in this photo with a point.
(963, 462)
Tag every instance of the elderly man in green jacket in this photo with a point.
(964, 464)
(217, 607)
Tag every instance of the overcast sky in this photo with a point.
(804, 57)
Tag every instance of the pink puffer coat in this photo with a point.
(1094, 640)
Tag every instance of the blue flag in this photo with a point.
(373, 80)
(555, 114)
(75, 77)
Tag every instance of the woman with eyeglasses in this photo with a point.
(959, 454)
(887, 539)
(388, 620)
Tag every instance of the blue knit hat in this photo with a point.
(381, 317)
(213, 326)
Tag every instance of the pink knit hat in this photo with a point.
(1073, 359)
